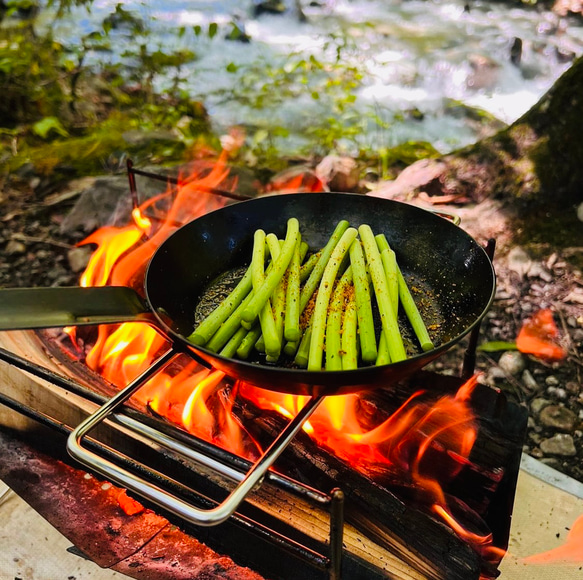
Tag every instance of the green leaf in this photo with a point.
(232, 67)
(497, 346)
(213, 29)
(44, 127)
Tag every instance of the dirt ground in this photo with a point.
(36, 252)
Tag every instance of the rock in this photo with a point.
(535, 438)
(516, 51)
(560, 444)
(538, 404)
(539, 271)
(495, 374)
(557, 417)
(551, 381)
(268, 7)
(79, 258)
(560, 394)
(338, 173)
(14, 247)
(485, 72)
(107, 201)
(519, 261)
(512, 362)
(529, 381)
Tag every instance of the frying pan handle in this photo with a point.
(155, 493)
(26, 308)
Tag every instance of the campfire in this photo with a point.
(426, 465)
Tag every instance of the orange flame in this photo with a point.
(539, 336)
(409, 440)
(570, 551)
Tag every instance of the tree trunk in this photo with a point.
(537, 160)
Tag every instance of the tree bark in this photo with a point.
(537, 160)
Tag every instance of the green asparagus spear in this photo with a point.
(368, 344)
(231, 347)
(279, 266)
(409, 305)
(383, 357)
(379, 280)
(228, 328)
(279, 294)
(301, 358)
(292, 300)
(324, 291)
(248, 342)
(413, 314)
(334, 322)
(308, 266)
(314, 279)
(349, 339)
(268, 330)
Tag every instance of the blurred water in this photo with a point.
(413, 55)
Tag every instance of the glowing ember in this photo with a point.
(129, 505)
(428, 442)
(539, 336)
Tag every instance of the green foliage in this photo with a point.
(56, 109)
(48, 125)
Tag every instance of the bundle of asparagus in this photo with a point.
(317, 309)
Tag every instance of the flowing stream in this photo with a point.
(388, 71)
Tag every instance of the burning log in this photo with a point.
(384, 503)
(418, 540)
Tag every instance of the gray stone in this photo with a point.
(79, 258)
(14, 247)
(552, 381)
(560, 444)
(557, 393)
(537, 270)
(495, 374)
(512, 362)
(573, 388)
(529, 381)
(338, 173)
(538, 404)
(557, 417)
(519, 261)
(535, 438)
(107, 201)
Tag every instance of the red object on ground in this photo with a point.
(129, 505)
(539, 336)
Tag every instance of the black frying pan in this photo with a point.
(428, 247)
